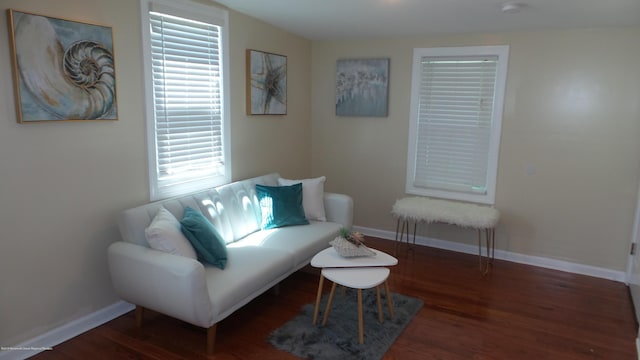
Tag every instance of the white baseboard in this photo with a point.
(539, 261)
(65, 332)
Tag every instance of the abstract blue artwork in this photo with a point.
(362, 87)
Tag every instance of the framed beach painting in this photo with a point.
(362, 87)
(266, 83)
(63, 70)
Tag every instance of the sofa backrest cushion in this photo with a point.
(233, 209)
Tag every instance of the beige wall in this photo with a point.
(569, 158)
(61, 185)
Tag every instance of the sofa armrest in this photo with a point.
(170, 284)
(339, 209)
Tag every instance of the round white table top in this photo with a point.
(358, 277)
(329, 258)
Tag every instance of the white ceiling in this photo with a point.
(340, 19)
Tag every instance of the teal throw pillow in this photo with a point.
(206, 240)
(281, 206)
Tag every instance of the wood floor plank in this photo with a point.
(515, 312)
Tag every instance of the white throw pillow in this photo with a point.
(312, 196)
(164, 234)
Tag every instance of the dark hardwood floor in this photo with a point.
(515, 312)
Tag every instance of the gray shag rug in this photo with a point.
(338, 339)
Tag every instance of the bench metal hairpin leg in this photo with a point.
(403, 230)
(398, 232)
(489, 235)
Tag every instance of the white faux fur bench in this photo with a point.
(421, 209)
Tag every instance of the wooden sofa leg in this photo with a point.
(139, 315)
(211, 339)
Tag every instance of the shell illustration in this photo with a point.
(76, 83)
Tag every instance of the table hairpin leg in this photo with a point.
(489, 235)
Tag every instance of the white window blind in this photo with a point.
(187, 99)
(454, 152)
(454, 126)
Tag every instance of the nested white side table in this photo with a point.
(329, 260)
(359, 278)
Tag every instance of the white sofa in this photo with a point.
(201, 294)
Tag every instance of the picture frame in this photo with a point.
(362, 87)
(266, 83)
(63, 70)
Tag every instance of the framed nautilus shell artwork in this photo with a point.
(63, 70)
(266, 83)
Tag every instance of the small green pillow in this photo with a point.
(206, 240)
(281, 206)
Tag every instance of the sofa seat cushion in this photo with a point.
(301, 242)
(249, 272)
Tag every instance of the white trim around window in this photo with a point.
(166, 102)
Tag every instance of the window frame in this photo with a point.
(202, 13)
(502, 52)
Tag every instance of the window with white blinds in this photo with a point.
(456, 115)
(188, 127)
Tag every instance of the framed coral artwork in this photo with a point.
(63, 70)
(266, 83)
